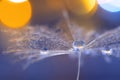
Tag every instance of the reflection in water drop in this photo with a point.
(107, 51)
(77, 45)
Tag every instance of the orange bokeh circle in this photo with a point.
(15, 14)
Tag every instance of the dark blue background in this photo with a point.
(61, 68)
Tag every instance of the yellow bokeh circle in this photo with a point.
(81, 7)
(15, 13)
(18, 1)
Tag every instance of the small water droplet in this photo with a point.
(43, 53)
(77, 45)
(107, 51)
(45, 49)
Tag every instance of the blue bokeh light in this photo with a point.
(110, 5)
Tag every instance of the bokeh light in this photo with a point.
(110, 5)
(17, 1)
(15, 13)
(81, 7)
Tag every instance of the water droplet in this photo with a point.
(107, 51)
(77, 45)
(43, 52)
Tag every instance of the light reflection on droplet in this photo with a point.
(78, 45)
(107, 51)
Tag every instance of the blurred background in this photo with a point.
(92, 15)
